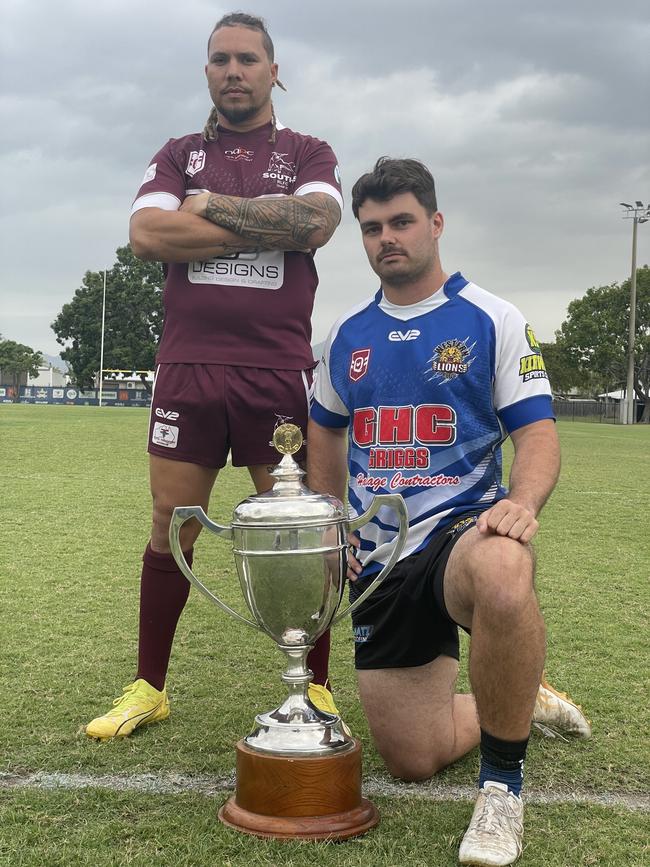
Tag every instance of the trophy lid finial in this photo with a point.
(287, 438)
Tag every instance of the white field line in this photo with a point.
(202, 784)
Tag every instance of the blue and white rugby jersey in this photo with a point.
(428, 392)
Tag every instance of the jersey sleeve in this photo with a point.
(522, 392)
(163, 185)
(327, 407)
(318, 172)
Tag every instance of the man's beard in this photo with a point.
(404, 278)
(238, 114)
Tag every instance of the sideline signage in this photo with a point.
(118, 395)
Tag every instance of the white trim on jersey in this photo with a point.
(164, 201)
(511, 345)
(410, 311)
(309, 389)
(320, 187)
(324, 391)
(153, 390)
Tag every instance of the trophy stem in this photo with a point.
(297, 707)
(298, 727)
(296, 674)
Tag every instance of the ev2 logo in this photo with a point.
(169, 415)
(400, 336)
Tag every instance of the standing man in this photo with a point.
(427, 378)
(235, 213)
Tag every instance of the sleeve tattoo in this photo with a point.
(281, 223)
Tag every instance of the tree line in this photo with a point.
(589, 352)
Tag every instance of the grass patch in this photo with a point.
(107, 828)
(75, 516)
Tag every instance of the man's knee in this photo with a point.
(503, 577)
(415, 767)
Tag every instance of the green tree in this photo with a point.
(16, 360)
(595, 335)
(562, 371)
(133, 320)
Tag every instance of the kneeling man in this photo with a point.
(417, 389)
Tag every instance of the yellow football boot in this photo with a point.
(139, 705)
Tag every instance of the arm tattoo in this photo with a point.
(278, 223)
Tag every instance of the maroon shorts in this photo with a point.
(200, 412)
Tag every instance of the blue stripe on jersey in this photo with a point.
(454, 284)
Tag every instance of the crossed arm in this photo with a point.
(209, 224)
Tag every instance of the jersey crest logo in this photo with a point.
(450, 359)
(281, 171)
(359, 364)
(195, 162)
(239, 153)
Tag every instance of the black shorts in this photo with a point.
(405, 622)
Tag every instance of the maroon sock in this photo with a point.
(318, 659)
(163, 594)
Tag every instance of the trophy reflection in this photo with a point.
(299, 770)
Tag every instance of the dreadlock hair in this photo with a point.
(242, 19)
(389, 178)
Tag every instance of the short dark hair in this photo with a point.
(389, 178)
(242, 19)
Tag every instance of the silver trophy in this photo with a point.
(290, 546)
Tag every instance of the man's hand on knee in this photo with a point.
(510, 519)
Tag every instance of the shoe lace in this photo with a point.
(126, 697)
(549, 732)
(498, 812)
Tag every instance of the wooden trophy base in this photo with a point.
(311, 798)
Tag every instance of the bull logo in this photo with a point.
(280, 171)
(280, 166)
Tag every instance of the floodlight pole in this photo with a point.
(101, 353)
(638, 214)
(630, 340)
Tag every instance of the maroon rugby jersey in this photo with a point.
(250, 309)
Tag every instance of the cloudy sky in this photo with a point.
(532, 116)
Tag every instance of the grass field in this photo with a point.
(75, 513)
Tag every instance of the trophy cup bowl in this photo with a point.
(299, 770)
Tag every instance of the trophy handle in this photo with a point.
(396, 501)
(180, 516)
